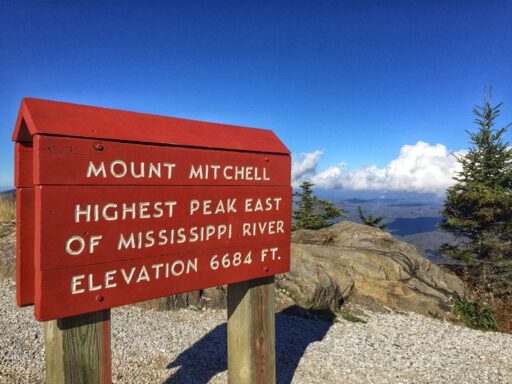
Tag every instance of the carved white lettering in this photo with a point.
(157, 267)
(263, 228)
(91, 286)
(79, 212)
(126, 243)
(134, 275)
(162, 237)
(71, 248)
(228, 172)
(209, 207)
(195, 173)
(262, 205)
(127, 278)
(155, 169)
(143, 275)
(137, 170)
(93, 242)
(169, 167)
(93, 171)
(75, 282)
(121, 171)
(141, 172)
(109, 276)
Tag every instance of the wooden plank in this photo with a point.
(74, 120)
(23, 180)
(23, 165)
(140, 222)
(71, 161)
(251, 332)
(24, 246)
(70, 291)
(77, 349)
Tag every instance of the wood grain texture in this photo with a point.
(23, 165)
(25, 246)
(78, 349)
(251, 332)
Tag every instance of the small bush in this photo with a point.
(7, 208)
(475, 316)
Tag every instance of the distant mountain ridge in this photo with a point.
(357, 201)
(414, 221)
(409, 205)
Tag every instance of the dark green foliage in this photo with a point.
(474, 316)
(478, 208)
(312, 213)
(371, 220)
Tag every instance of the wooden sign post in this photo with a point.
(118, 207)
(251, 332)
(77, 349)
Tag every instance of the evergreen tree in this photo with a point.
(478, 207)
(310, 212)
(371, 220)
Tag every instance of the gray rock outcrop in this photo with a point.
(358, 264)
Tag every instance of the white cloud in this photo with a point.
(305, 167)
(418, 168)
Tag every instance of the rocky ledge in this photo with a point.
(354, 263)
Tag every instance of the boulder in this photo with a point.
(359, 264)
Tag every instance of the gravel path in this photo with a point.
(189, 347)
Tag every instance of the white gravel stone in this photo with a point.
(189, 346)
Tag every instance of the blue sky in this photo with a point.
(342, 82)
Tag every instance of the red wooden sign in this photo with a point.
(117, 207)
(103, 224)
(93, 162)
(68, 291)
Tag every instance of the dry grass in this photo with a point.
(7, 208)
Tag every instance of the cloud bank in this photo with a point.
(420, 168)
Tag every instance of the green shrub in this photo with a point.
(371, 220)
(311, 212)
(475, 316)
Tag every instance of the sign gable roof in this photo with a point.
(37, 116)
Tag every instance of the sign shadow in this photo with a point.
(296, 329)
